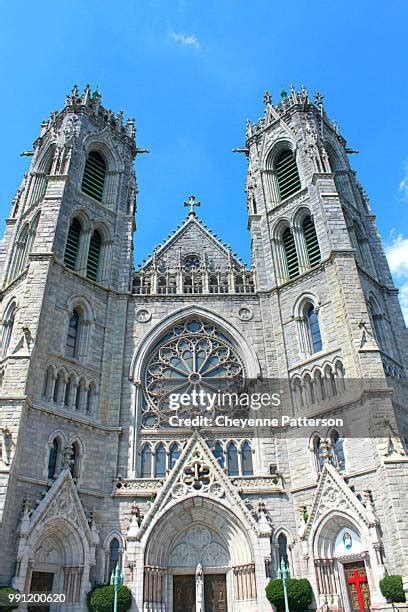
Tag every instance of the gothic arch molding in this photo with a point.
(102, 143)
(202, 513)
(323, 536)
(153, 336)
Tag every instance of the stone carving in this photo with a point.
(245, 313)
(197, 476)
(198, 536)
(137, 487)
(199, 548)
(258, 483)
(143, 315)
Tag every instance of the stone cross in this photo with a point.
(192, 202)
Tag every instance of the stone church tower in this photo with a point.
(94, 473)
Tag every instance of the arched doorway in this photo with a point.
(342, 563)
(55, 559)
(198, 556)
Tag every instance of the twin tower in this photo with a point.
(93, 475)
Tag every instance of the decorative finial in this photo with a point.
(319, 98)
(284, 94)
(267, 99)
(192, 202)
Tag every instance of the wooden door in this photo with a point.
(184, 595)
(357, 585)
(215, 593)
(41, 582)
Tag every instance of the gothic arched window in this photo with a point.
(160, 462)
(283, 548)
(314, 329)
(246, 456)
(218, 452)
(71, 348)
(378, 322)
(291, 257)
(72, 244)
(287, 175)
(146, 462)
(174, 455)
(8, 325)
(232, 460)
(20, 253)
(312, 244)
(114, 550)
(93, 181)
(318, 453)
(52, 458)
(74, 460)
(94, 255)
(337, 450)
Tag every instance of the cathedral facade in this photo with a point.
(93, 472)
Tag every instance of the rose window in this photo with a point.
(192, 356)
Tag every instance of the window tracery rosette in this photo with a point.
(193, 355)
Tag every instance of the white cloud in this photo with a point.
(190, 41)
(403, 186)
(397, 255)
(403, 296)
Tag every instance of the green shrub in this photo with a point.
(100, 599)
(392, 589)
(300, 594)
(5, 604)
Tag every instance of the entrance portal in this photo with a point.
(215, 593)
(357, 584)
(41, 582)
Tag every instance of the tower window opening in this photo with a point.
(314, 329)
(93, 181)
(292, 262)
(312, 244)
(287, 174)
(72, 337)
(72, 245)
(94, 254)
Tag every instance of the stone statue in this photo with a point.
(199, 588)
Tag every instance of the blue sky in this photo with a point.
(191, 73)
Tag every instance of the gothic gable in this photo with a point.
(193, 238)
(333, 494)
(60, 502)
(197, 473)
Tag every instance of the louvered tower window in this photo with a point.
(72, 246)
(94, 176)
(312, 244)
(94, 254)
(291, 257)
(287, 174)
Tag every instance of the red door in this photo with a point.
(357, 584)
